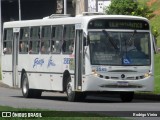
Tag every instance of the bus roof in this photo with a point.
(67, 20)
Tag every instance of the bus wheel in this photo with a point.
(27, 93)
(73, 96)
(70, 93)
(127, 96)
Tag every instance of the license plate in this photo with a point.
(122, 83)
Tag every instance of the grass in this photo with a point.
(157, 74)
(155, 22)
(58, 115)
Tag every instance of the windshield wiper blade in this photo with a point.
(130, 39)
(110, 39)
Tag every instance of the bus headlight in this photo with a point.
(147, 75)
(94, 72)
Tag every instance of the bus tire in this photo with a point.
(127, 96)
(27, 93)
(73, 96)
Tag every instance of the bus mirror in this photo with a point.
(85, 42)
(4, 50)
(154, 45)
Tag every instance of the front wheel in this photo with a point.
(127, 96)
(73, 96)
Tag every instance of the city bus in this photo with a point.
(79, 56)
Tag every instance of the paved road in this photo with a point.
(58, 101)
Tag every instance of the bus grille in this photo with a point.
(117, 86)
(118, 78)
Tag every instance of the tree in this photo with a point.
(122, 7)
(129, 7)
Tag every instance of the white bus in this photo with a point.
(79, 55)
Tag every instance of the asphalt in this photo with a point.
(144, 96)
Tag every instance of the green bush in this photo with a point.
(129, 7)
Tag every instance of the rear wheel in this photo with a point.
(29, 93)
(127, 96)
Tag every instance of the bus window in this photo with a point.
(68, 43)
(56, 39)
(23, 42)
(7, 43)
(46, 37)
(23, 47)
(34, 47)
(35, 33)
(34, 44)
(45, 47)
(24, 34)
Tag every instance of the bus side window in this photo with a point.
(35, 40)
(68, 41)
(23, 42)
(56, 39)
(45, 40)
(7, 41)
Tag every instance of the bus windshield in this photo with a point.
(120, 48)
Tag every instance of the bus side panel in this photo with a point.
(56, 82)
(7, 78)
(7, 70)
(39, 81)
(43, 71)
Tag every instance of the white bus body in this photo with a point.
(90, 67)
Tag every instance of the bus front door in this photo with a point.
(15, 56)
(78, 60)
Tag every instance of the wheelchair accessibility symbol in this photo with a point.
(126, 61)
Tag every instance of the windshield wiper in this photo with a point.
(110, 39)
(130, 39)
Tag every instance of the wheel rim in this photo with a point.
(69, 89)
(25, 86)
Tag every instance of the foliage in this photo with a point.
(121, 7)
(155, 32)
(129, 7)
(143, 10)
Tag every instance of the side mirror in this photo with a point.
(158, 50)
(85, 41)
(4, 50)
(154, 45)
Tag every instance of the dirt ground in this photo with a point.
(150, 3)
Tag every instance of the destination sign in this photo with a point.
(118, 24)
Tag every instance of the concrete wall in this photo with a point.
(91, 5)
